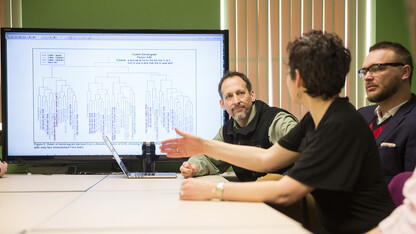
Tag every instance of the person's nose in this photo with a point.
(368, 76)
(236, 100)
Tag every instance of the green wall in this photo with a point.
(392, 25)
(124, 14)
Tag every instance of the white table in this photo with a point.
(48, 183)
(114, 204)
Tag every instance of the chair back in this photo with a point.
(396, 186)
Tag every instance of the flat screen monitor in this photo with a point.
(63, 89)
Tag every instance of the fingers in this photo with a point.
(180, 133)
(173, 148)
(174, 153)
(179, 147)
(186, 175)
(185, 190)
(187, 169)
(169, 141)
(186, 172)
(193, 189)
(3, 168)
(173, 140)
(170, 147)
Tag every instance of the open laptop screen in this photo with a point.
(115, 154)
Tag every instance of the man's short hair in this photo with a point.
(323, 63)
(401, 53)
(231, 74)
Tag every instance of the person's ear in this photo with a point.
(253, 96)
(298, 79)
(222, 104)
(406, 71)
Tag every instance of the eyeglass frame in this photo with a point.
(362, 74)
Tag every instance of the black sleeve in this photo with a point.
(331, 158)
(293, 138)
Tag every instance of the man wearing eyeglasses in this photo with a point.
(387, 74)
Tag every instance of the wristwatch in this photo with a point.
(219, 190)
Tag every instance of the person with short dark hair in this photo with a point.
(334, 152)
(252, 122)
(387, 72)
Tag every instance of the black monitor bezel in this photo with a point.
(59, 159)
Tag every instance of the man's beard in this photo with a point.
(389, 89)
(242, 114)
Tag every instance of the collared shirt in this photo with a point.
(391, 112)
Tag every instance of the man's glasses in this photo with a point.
(375, 69)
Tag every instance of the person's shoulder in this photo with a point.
(370, 107)
(306, 119)
(345, 114)
(407, 111)
(412, 104)
(367, 110)
(275, 113)
(263, 107)
(275, 109)
(285, 116)
(347, 125)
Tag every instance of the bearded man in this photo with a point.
(387, 72)
(253, 123)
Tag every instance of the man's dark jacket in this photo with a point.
(254, 134)
(401, 131)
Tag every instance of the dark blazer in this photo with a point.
(401, 131)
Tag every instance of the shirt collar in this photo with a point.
(391, 112)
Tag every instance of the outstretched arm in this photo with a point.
(249, 157)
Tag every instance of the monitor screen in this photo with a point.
(63, 89)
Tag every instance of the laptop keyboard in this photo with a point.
(152, 175)
(142, 174)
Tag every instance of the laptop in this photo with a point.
(136, 175)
